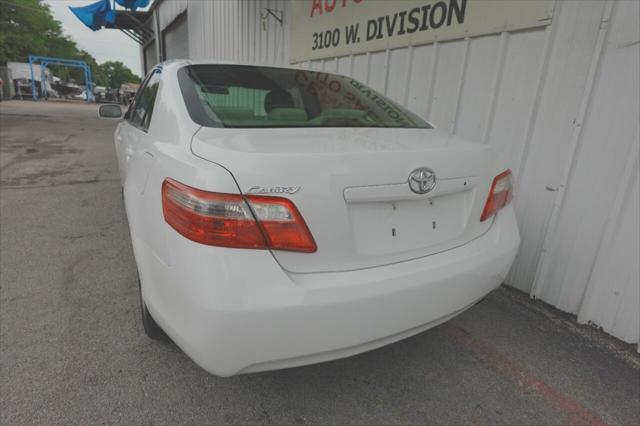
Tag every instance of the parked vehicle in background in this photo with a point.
(282, 216)
(99, 94)
(65, 89)
(82, 96)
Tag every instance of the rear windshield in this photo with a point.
(249, 96)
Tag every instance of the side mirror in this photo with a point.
(109, 111)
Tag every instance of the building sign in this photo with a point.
(327, 28)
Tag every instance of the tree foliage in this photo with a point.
(116, 73)
(27, 27)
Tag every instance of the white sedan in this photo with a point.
(282, 217)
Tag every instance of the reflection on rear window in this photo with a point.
(249, 96)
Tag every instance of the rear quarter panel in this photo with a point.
(163, 151)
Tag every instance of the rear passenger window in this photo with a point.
(144, 103)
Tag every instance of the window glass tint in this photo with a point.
(233, 102)
(145, 100)
(247, 96)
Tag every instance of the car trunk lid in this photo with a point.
(351, 186)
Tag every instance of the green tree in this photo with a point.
(116, 73)
(99, 79)
(27, 27)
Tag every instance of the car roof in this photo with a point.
(176, 63)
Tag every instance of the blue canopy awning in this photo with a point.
(95, 15)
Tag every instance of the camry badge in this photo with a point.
(422, 180)
(273, 190)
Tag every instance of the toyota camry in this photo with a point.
(283, 216)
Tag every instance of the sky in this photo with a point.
(104, 45)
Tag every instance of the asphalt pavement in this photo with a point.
(72, 348)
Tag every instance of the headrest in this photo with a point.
(277, 99)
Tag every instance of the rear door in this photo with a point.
(132, 140)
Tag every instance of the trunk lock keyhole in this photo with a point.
(433, 224)
(393, 232)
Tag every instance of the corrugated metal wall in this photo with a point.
(559, 102)
(591, 261)
(176, 38)
(169, 10)
(234, 30)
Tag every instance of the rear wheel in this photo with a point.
(151, 328)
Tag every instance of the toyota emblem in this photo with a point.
(422, 180)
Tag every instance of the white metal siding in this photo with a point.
(592, 257)
(150, 57)
(176, 39)
(233, 30)
(559, 102)
(169, 10)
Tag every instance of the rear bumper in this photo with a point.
(242, 313)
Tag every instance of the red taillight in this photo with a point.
(282, 224)
(227, 220)
(500, 194)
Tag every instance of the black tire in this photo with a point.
(151, 328)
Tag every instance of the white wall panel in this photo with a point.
(613, 293)
(555, 101)
(592, 253)
(150, 57)
(516, 94)
(169, 10)
(396, 74)
(238, 30)
(176, 39)
(420, 78)
(448, 74)
(330, 65)
(378, 63)
(477, 94)
(576, 29)
(316, 64)
(344, 65)
(360, 67)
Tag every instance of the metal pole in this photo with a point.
(90, 79)
(33, 81)
(58, 61)
(158, 35)
(89, 89)
(43, 79)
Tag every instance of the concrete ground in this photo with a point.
(73, 349)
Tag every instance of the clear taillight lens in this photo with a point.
(283, 225)
(500, 194)
(227, 220)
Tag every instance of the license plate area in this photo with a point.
(381, 228)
